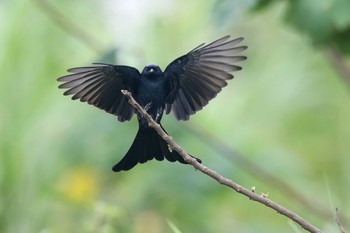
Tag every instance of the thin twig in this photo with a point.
(259, 172)
(219, 178)
(339, 62)
(69, 26)
(337, 220)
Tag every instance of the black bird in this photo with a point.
(185, 87)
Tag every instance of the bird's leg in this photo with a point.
(159, 114)
(148, 106)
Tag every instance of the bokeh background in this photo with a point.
(281, 126)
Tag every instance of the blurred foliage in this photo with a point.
(286, 112)
(326, 22)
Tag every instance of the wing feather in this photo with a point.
(100, 85)
(197, 77)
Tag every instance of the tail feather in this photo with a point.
(147, 145)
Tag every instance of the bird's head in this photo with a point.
(151, 71)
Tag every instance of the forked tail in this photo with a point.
(147, 145)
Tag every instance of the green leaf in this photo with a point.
(340, 14)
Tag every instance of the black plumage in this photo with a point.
(185, 87)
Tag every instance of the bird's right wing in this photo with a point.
(101, 85)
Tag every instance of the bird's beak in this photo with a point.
(151, 70)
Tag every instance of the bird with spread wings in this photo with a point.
(185, 87)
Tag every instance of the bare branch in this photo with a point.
(340, 64)
(258, 172)
(69, 26)
(337, 220)
(219, 178)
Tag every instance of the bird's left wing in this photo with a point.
(101, 85)
(197, 77)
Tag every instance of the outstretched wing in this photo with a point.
(101, 85)
(198, 76)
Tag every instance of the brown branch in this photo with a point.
(69, 26)
(259, 172)
(337, 220)
(219, 178)
(339, 63)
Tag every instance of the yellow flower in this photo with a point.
(79, 184)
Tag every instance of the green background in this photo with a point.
(281, 126)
